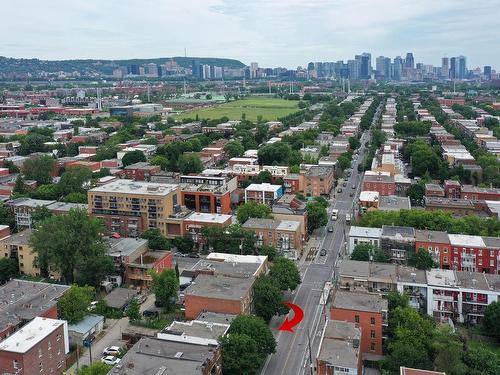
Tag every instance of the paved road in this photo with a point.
(292, 353)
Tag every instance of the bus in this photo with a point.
(335, 214)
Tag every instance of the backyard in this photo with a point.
(269, 108)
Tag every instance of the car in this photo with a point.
(193, 255)
(330, 229)
(150, 313)
(179, 254)
(322, 252)
(344, 184)
(110, 360)
(353, 186)
(93, 305)
(111, 351)
(351, 194)
(339, 190)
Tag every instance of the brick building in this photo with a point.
(141, 171)
(40, 347)
(382, 183)
(207, 194)
(318, 180)
(21, 301)
(339, 349)
(220, 294)
(131, 207)
(367, 310)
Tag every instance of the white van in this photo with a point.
(335, 214)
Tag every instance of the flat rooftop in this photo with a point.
(263, 187)
(124, 246)
(22, 300)
(338, 346)
(365, 232)
(213, 317)
(31, 334)
(394, 203)
(19, 238)
(359, 301)
(232, 269)
(119, 297)
(136, 187)
(220, 287)
(209, 218)
(194, 328)
(153, 356)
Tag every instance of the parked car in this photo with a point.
(110, 360)
(93, 305)
(330, 229)
(322, 252)
(150, 313)
(339, 190)
(111, 351)
(353, 186)
(193, 255)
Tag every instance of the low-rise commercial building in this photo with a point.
(40, 347)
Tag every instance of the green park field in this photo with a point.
(269, 108)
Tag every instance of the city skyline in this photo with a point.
(288, 35)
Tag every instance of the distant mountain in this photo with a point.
(92, 67)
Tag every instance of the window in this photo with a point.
(356, 318)
(372, 320)
(372, 334)
(445, 250)
(40, 353)
(372, 346)
(492, 263)
(15, 364)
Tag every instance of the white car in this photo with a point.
(111, 351)
(110, 360)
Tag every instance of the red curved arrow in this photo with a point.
(289, 324)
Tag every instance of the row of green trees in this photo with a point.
(416, 341)
(432, 220)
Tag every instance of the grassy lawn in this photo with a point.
(269, 108)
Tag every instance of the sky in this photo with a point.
(287, 33)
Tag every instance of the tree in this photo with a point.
(46, 192)
(156, 241)
(274, 154)
(416, 193)
(263, 177)
(160, 160)
(240, 355)
(19, 187)
(75, 302)
(39, 169)
(481, 361)
(39, 214)
(11, 166)
(184, 244)
(96, 368)
(165, 286)
(492, 319)
(270, 251)
(252, 209)
(257, 329)
(190, 163)
(396, 299)
(70, 244)
(354, 143)
(234, 149)
(8, 269)
(285, 273)
(363, 251)
(268, 298)
(74, 180)
(133, 157)
(448, 351)
(133, 310)
(76, 197)
(316, 216)
(421, 259)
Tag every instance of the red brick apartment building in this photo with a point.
(220, 294)
(385, 185)
(367, 310)
(40, 347)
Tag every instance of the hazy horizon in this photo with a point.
(285, 33)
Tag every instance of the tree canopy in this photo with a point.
(363, 251)
(268, 298)
(285, 273)
(75, 302)
(252, 209)
(39, 169)
(133, 157)
(73, 246)
(316, 215)
(165, 286)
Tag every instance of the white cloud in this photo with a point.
(272, 32)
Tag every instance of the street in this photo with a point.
(293, 355)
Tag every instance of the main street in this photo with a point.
(292, 355)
